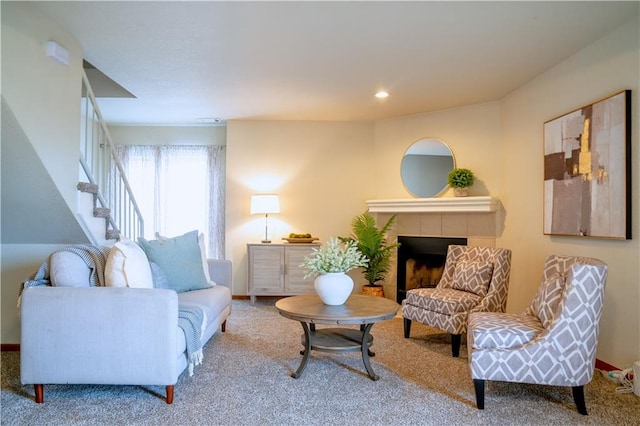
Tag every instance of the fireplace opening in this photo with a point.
(421, 262)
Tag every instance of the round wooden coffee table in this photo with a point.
(359, 310)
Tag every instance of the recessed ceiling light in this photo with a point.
(381, 94)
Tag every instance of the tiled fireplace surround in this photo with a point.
(479, 219)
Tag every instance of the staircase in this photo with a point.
(111, 233)
(101, 175)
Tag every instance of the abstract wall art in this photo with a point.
(587, 170)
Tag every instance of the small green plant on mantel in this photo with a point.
(460, 179)
(372, 243)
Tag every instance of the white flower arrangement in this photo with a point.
(334, 256)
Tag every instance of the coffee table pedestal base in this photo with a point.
(337, 340)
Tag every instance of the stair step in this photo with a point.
(91, 188)
(101, 212)
(112, 234)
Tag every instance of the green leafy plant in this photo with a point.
(460, 178)
(334, 256)
(372, 243)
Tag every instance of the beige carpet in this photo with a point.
(245, 380)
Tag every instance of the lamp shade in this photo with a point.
(265, 203)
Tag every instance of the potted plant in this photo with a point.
(330, 263)
(372, 243)
(460, 180)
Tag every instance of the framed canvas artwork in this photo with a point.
(587, 170)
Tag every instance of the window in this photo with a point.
(178, 189)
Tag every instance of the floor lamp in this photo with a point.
(265, 204)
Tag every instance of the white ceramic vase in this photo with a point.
(333, 288)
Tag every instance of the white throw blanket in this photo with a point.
(94, 257)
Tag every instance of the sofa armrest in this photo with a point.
(220, 272)
(99, 335)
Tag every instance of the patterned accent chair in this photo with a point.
(553, 342)
(474, 279)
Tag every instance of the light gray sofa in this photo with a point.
(114, 336)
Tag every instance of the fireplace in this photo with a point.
(421, 261)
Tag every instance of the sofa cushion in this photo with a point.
(203, 254)
(502, 330)
(127, 266)
(473, 277)
(159, 278)
(180, 259)
(444, 301)
(67, 269)
(212, 300)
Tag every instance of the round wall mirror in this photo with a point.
(425, 167)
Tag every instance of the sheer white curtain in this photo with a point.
(178, 189)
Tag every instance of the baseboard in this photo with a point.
(243, 297)
(601, 365)
(10, 347)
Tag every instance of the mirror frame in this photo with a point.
(429, 141)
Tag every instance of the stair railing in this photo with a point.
(102, 167)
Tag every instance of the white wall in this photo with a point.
(44, 96)
(472, 133)
(602, 69)
(321, 171)
(19, 262)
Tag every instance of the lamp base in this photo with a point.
(265, 241)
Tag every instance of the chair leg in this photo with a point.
(407, 328)
(455, 345)
(39, 393)
(578, 397)
(170, 394)
(479, 385)
(224, 326)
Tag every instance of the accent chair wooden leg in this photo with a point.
(479, 385)
(407, 328)
(39, 393)
(455, 345)
(224, 326)
(170, 394)
(578, 397)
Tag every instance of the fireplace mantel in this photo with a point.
(484, 204)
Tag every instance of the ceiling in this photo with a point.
(185, 61)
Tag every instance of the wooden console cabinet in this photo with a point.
(274, 269)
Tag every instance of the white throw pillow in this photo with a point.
(67, 269)
(205, 263)
(127, 266)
